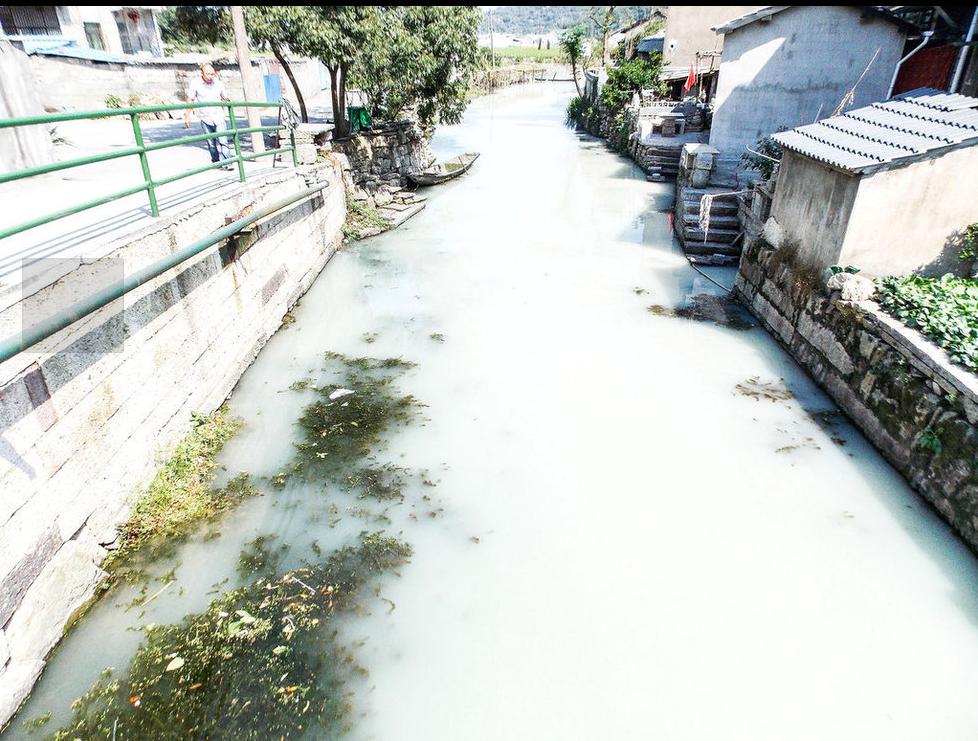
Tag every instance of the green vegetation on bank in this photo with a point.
(362, 220)
(181, 495)
(944, 309)
(610, 116)
(534, 19)
(522, 54)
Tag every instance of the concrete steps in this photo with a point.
(722, 240)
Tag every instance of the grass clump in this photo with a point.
(362, 220)
(943, 309)
(181, 495)
(260, 662)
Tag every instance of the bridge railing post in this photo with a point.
(237, 144)
(137, 133)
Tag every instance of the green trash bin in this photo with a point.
(359, 117)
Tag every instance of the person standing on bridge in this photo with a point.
(207, 88)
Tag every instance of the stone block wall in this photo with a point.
(900, 389)
(85, 418)
(380, 159)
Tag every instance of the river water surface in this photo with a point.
(642, 526)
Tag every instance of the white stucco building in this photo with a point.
(117, 29)
(786, 66)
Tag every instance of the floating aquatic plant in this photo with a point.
(757, 389)
(260, 662)
(346, 423)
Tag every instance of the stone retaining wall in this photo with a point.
(380, 159)
(85, 419)
(899, 388)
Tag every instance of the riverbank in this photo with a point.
(635, 497)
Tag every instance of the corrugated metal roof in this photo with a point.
(62, 46)
(921, 122)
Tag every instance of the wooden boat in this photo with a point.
(442, 171)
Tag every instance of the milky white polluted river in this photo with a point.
(626, 524)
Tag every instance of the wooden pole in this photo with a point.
(248, 81)
(492, 42)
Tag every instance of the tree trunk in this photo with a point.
(339, 115)
(576, 83)
(342, 95)
(295, 86)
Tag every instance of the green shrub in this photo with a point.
(577, 111)
(113, 101)
(970, 250)
(943, 309)
(765, 146)
(627, 79)
(620, 131)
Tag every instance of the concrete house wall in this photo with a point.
(795, 68)
(865, 220)
(689, 30)
(893, 233)
(812, 205)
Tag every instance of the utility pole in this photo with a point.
(248, 81)
(492, 42)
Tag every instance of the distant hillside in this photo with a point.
(530, 19)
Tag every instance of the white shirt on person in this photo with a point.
(207, 92)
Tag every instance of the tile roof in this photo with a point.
(923, 122)
(877, 11)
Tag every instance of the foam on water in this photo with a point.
(644, 526)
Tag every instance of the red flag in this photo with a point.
(690, 81)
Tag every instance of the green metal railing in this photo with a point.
(15, 344)
(141, 149)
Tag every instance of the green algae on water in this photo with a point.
(260, 662)
(705, 307)
(349, 418)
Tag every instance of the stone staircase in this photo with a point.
(721, 245)
(659, 161)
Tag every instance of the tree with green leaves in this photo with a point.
(189, 26)
(281, 28)
(333, 34)
(419, 57)
(402, 56)
(604, 19)
(572, 44)
(629, 78)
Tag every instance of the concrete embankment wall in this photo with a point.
(85, 421)
(900, 389)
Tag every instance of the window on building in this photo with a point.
(93, 34)
(30, 20)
